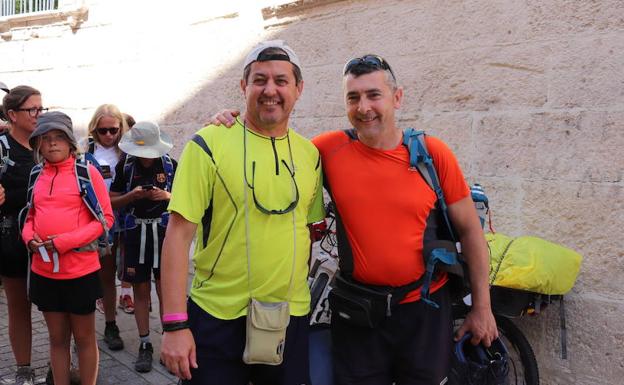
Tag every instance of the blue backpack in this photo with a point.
(441, 253)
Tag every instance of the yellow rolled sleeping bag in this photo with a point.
(532, 264)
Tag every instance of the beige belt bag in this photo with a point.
(266, 332)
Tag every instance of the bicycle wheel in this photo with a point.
(522, 363)
(523, 369)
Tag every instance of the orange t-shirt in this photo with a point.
(384, 206)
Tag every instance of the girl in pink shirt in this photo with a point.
(60, 231)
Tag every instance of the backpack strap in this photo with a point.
(90, 145)
(351, 133)
(344, 247)
(168, 168)
(32, 179)
(439, 251)
(128, 171)
(35, 172)
(421, 161)
(89, 197)
(90, 158)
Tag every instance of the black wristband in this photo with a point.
(174, 326)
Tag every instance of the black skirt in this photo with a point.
(75, 296)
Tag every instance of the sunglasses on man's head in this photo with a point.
(110, 130)
(371, 61)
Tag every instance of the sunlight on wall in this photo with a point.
(177, 54)
(145, 57)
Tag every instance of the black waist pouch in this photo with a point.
(365, 305)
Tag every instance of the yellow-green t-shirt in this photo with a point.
(212, 190)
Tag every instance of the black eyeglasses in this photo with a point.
(291, 172)
(371, 61)
(110, 130)
(33, 111)
(259, 206)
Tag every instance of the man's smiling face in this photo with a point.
(270, 93)
(371, 102)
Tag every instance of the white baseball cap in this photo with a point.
(256, 53)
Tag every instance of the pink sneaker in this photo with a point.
(99, 305)
(126, 304)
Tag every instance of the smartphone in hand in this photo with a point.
(147, 187)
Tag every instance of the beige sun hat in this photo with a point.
(145, 140)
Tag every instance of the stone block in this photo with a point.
(573, 146)
(383, 28)
(455, 129)
(492, 78)
(505, 196)
(594, 340)
(323, 94)
(562, 18)
(586, 72)
(586, 217)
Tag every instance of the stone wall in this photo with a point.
(529, 94)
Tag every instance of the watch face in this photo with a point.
(106, 171)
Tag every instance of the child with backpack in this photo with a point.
(61, 231)
(141, 190)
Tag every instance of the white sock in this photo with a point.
(126, 291)
(145, 338)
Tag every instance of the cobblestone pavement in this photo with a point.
(115, 367)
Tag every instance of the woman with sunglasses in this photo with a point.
(105, 130)
(20, 108)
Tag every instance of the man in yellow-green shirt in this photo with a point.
(248, 193)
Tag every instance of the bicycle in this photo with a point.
(323, 270)
(506, 305)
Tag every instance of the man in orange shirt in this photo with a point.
(383, 208)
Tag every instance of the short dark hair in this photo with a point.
(368, 64)
(274, 51)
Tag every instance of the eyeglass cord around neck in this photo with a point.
(247, 230)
